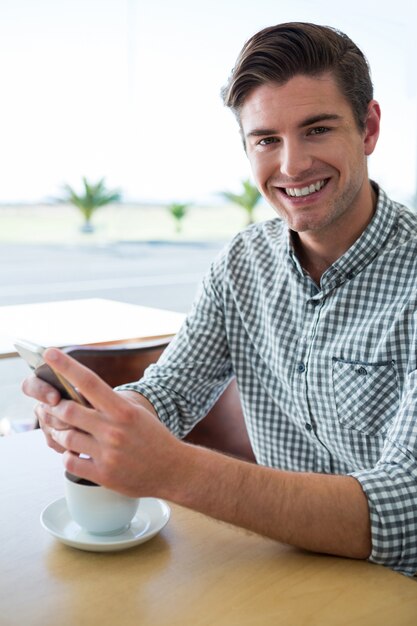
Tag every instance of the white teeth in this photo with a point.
(304, 191)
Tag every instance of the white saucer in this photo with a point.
(151, 517)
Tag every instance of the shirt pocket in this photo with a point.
(366, 394)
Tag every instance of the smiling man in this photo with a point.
(315, 315)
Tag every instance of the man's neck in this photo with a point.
(313, 259)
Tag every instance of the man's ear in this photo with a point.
(372, 124)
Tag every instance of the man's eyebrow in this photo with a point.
(314, 119)
(320, 117)
(261, 132)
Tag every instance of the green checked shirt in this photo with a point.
(327, 375)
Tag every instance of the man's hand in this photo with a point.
(127, 448)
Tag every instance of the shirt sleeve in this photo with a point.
(195, 367)
(391, 489)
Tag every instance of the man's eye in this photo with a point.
(267, 141)
(318, 130)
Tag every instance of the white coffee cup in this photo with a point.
(97, 509)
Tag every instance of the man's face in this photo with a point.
(307, 154)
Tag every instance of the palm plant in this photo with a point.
(92, 198)
(178, 210)
(248, 199)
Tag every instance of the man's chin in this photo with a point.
(300, 221)
(305, 224)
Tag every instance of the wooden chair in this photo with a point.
(222, 429)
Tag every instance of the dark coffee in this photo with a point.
(80, 481)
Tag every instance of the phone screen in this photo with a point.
(32, 354)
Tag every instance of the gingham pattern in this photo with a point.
(327, 375)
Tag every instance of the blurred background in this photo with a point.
(128, 92)
(129, 89)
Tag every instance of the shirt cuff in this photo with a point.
(391, 490)
(162, 402)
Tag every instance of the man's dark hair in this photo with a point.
(278, 53)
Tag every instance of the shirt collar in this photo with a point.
(365, 248)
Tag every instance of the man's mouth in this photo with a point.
(305, 191)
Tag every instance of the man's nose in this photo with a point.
(294, 159)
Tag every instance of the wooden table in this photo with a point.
(196, 572)
(77, 322)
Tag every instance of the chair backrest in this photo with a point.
(121, 363)
(222, 429)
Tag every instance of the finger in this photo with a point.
(70, 414)
(79, 466)
(52, 443)
(92, 387)
(46, 432)
(75, 441)
(40, 390)
(47, 419)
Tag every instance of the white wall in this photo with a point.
(129, 89)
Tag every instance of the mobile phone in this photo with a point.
(33, 355)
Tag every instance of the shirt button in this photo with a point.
(301, 368)
(314, 302)
(308, 426)
(362, 370)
